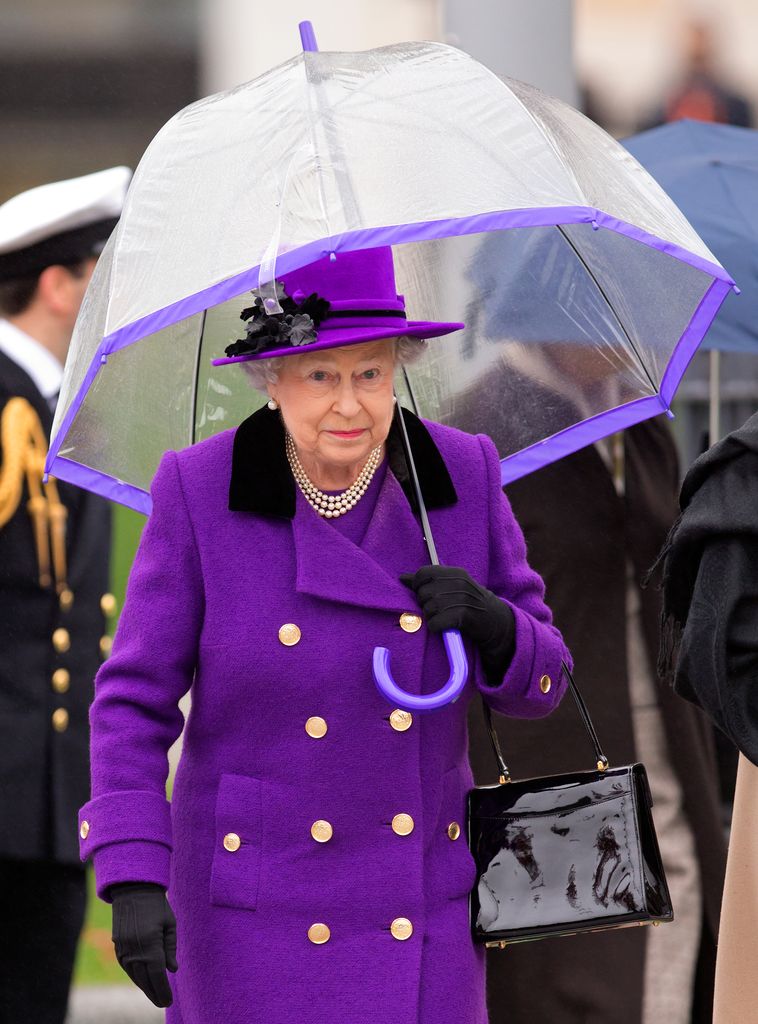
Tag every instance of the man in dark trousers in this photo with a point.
(594, 523)
(54, 551)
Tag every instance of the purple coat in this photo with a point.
(219, 571)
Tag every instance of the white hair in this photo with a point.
(262, 372)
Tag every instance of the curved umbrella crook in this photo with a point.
(456, 654)
(450, 692)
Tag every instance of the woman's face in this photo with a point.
(337, 403)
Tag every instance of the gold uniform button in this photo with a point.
(106, 645)
(60, 719)
(410, 622)
(232, 842)
(319, 934)
(84, 829)
(61, 640)
(65, 599)
(402, 824)
(401, 720)
(453, 830)
(545, 683)
(401, 929)
(108, 604)
(322, 831)
(289, 634)
(61, 680)
(316, 727)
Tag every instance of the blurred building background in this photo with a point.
(85, 84)
(632, 54)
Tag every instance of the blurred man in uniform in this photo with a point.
(54, 549)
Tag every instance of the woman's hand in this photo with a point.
(450, 599)
(144, 934)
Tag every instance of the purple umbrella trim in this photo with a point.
(514, 466)
(100, 483)
(690, 340)
(397, 234)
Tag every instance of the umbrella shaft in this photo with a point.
(714, 424)
(425, 524)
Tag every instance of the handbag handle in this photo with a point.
(600, 759)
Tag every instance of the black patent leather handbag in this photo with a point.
(564, 854)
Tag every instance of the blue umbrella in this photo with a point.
(711, 173)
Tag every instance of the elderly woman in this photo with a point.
(314, 851)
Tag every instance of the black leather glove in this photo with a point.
(450, 599)
(144, 934)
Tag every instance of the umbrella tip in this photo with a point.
(308, 37)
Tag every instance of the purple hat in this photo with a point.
(338, 300)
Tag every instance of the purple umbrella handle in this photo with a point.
(450, 692)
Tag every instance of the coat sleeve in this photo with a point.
(539, 647)
(135, 717)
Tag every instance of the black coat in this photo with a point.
(44, 771)
(579, 533)
(710, 648)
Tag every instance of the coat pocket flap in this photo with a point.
(236, 857)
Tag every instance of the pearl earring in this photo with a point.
(272, 404)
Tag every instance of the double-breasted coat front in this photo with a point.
(311, 849)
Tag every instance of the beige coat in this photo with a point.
(736, 996)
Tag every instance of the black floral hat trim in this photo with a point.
(296, 325)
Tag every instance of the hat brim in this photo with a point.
(341, 336)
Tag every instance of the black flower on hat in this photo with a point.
(294, 326)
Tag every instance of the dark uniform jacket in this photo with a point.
(579, 533)
(48, 659)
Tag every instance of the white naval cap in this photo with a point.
(63, 222)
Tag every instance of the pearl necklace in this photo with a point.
(331, 506)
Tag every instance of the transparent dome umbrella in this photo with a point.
(584, 289)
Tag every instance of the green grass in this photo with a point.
(127, 529)
(96, 962)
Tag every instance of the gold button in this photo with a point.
(61, 680)
(108, 604)
(106, 645)
(322, 831)
(316, 727)
(61, 640)
(319, 934)
(410, 622)
(545, 683)
(84, 830)
(401, 928)
(402, 824)
(453, 830)
(60, 719)
(289, 634)
(232, 842)
(401, 720)
(65, 599)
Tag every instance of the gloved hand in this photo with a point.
(450, 599)
(144, 934)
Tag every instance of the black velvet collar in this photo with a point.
(262, 481)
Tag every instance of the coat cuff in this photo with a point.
(122, 817)
(534, 682)
(135, 861)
